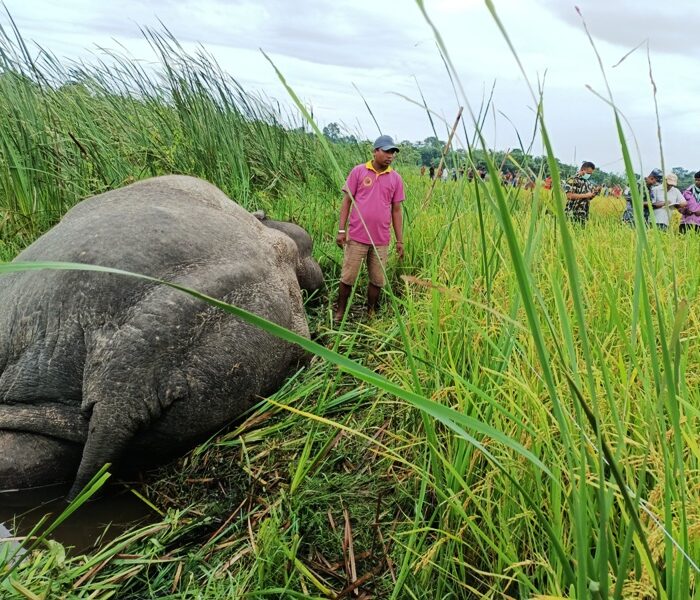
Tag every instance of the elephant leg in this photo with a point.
(50, 419)
(31, 460)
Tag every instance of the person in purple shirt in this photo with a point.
(690, 221)
(371, 207)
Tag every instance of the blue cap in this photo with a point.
(384, 142)
(656, 174)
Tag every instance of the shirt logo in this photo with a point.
(367, 181)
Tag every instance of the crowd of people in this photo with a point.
(659, 195)
(445, 173)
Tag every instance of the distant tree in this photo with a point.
(517, 159)
(332, 132)
(430, 150)
(615, 179)
(429, 156)
(409, 154)
(685, 177)
(433, 142)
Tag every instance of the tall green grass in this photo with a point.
(68, 131)
(520, 421)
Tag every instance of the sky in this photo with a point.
(337, 55)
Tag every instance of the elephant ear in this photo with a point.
(307, 269)
(260, 215)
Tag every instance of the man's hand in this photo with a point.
(341, 239)
(399, 250)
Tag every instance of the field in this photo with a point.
(519, 421)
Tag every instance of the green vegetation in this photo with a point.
(523, 425)
(71, 131)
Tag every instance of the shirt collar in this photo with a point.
(370, 166)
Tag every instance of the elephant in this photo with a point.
(100, 368)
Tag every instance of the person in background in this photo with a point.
(579, 193)
(665, 197)
(690, 219)
(372, 198)
(431, 172)
(422, 170)
(653, 179)
(445, 175)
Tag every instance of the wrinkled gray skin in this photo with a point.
(98, 368)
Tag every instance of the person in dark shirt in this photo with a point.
(579, 193)
(653, 179)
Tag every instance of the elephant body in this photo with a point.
(95, 367)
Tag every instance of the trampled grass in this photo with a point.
(542, 440)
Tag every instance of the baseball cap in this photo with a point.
(385, 142)
(657, 174)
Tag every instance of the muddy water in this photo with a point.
(97, 521)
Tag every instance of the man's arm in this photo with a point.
(586, 196)
(344, 213)
(397, 223)
(661, 201)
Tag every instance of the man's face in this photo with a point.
(697, 182)
(587, 170)
(384, 158)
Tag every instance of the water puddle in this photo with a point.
(8, 545)
(96, 522)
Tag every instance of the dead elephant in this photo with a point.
(96, 367)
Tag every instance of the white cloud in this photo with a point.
(626, 23)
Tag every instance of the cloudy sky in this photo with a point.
(329, 50)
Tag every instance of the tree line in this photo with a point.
(428, 152)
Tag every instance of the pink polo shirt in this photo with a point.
(374, 194)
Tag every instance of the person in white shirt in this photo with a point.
(663, 200)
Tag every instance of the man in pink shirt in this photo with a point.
(372, 198)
